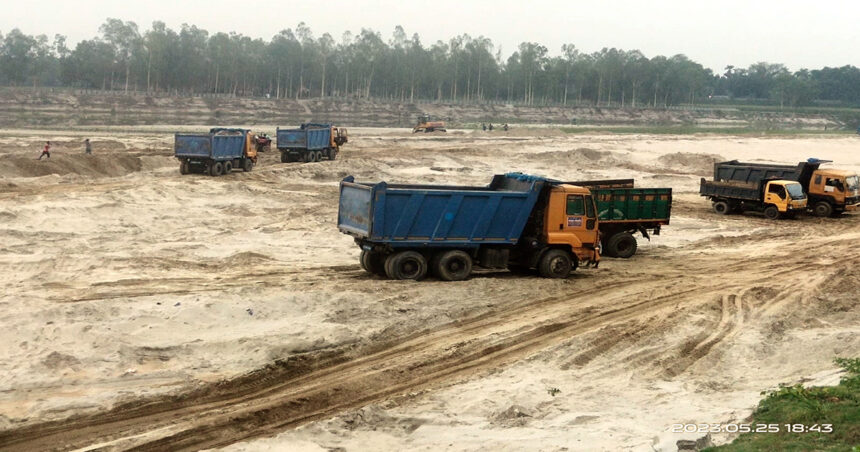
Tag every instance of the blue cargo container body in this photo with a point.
(191, 146)
(216, 152)
(310, 143)
(437, 215)
(212, 145)
(312, 139)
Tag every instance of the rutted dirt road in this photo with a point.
(159, 295)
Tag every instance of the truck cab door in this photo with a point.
(572, 220)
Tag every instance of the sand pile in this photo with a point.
(699, 164)
(80, 164)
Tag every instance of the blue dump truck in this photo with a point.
(519, 222)
(310, 142)
(215, 153)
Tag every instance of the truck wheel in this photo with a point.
(604, 248)
(721, 207)
(228, 167)
(309, 157)
(555, 264)
(318, 156)
(622, 245)
(372, 262)
(771, 213)
(822, 209)
(406, 265)
(453, 265)
(285, 157)
(247, 166)
(183, 167)
(215, 169)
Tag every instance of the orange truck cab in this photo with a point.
(571, 221)
(833, 191)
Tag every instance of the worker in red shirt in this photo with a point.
(46, 151)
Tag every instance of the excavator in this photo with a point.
(426, 125)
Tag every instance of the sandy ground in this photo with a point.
(129, 286)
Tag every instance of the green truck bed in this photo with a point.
(623, 210)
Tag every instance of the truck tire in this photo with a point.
(247, 165)
(622, 245)
(318, 156)
(184, 168)
(215, 169)
(285, 157)
(555, 264)
(228, 167)
(406, 265)
(604, 248)
(372, 262)
(309, 157)
(452, 265)
(721, 207)
(822, 209)
(771, 213)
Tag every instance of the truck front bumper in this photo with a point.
(852, 207)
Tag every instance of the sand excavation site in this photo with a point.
(144, 309)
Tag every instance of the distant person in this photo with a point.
(490, 127)
(88, 147)
(505, 127)
(484, 127)
(45, 151)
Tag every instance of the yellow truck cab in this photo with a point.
(786, 195)
(571, 221)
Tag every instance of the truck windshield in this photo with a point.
(852, 182)
(795, 191)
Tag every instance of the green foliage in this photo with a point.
(838, 406)
(297, 64)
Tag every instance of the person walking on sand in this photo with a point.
(88, 147)
(45, 151)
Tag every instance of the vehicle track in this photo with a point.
(303, 390)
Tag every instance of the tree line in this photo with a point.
(297, 64)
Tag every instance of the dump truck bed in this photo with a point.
(754, 173)
(729, 190)
(619, 202)
(437, 215)
(312, 138)
(219, 144)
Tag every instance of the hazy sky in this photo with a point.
(808, 34)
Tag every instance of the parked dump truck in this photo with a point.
(830, 192)
(775, 198)
(311, 142)
(518, 222)
(624, 210)
(425, 124)
(215, 153)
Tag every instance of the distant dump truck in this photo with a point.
(424, 124)
(518, 222)
(624, 210)
(830, 192)
(215, 153)
(311, 142)
(775, 198)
